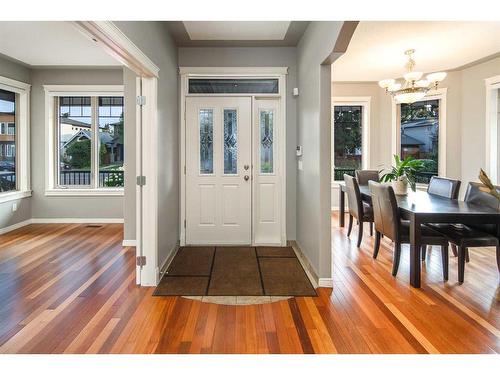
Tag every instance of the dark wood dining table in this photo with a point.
(420, 208)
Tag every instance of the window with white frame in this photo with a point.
(420, 132)
(350, 135)
(419, 136)
(14, 147)
(87, 129)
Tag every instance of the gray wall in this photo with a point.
(255, 57)
(65, 207)
(19, 72)
(154, 40)
(314, 114)
(473, 110)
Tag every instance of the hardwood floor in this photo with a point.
(71, 289)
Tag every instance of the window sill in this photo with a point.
(84, 192)
(14, 195)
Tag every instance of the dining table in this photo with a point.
(419, 208)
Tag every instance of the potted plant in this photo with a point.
(402, 174)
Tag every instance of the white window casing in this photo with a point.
(22, 90)
(52, 92)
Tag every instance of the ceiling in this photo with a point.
(376, 50)
(50, 44)
(236, 33)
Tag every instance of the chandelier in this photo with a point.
(414, 87)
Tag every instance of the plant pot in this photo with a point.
(400, 187)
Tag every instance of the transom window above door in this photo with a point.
(233, 86)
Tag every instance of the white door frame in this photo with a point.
(492, 97)
(234, 72)
(109, 37)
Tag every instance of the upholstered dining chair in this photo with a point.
(446, 188)
(388, 222)
(358, 209)
(365, 175)
(469, 236)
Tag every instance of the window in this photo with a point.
(14, 140)
(347, 123)
(419, 136)
(206, 119)
(8, 141)
(266, 141)
(85, 138)
(90, 138)
(233, 86)
(230, 141)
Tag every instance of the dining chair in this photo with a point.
(388, 222)
(358, 209)
(469, 236)
(446, 188)
(365, 175)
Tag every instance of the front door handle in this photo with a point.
(246, 177)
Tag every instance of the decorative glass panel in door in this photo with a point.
(230, 141)
(206, 119)
(266, 141)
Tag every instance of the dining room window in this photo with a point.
(419, 135)
(347, 139)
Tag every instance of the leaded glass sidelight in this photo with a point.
(266, 141)
(230, 141)
(206, 141)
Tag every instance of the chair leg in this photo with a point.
(377, 246)
(454, 250)
(467, 257)
(445, 259)
(423, 250)
(397, 257)
(360, 233)
(371, 228)
(349, 228)
(498, 258)
(461, 263)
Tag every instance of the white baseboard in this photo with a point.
(76, 221)
(61, 221)
(12, 227)
(129, 243)
(166, 263)
(324, 282)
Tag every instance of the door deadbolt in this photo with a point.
(246, 177)
(245, 167)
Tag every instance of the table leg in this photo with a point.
(341, 207)
(415, 239)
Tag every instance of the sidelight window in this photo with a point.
(266, 141)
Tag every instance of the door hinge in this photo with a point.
(141, 100)
(140, 260)
(184, 223)
(184, 169)
(141, 180)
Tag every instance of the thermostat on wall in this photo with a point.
(299, 150)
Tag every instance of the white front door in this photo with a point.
(218, 170)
